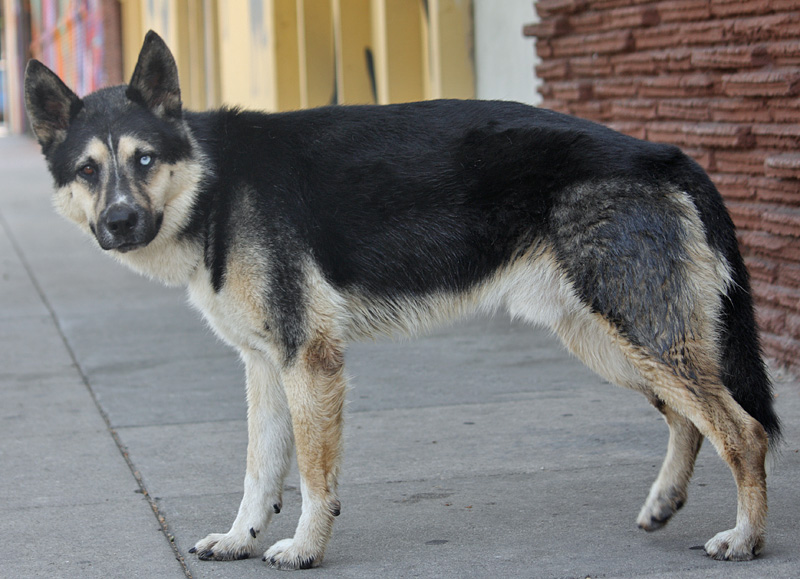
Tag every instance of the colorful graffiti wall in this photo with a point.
(67, 35)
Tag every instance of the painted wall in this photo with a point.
(68, 36)
(505, 59)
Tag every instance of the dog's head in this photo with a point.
(119, 155)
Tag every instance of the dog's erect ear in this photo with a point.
(50, 103)
(154, 83)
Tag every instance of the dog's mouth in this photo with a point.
(126, 247)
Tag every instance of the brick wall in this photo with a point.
(719, 78)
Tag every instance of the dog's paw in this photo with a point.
(656, 513)
(734, 545)
(225, 547)
(286, 556)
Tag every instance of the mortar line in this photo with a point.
(114, 435)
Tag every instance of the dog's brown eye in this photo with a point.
(87, 170)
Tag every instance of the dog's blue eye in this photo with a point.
(145, 160)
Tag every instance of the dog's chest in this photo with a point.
(234, 313)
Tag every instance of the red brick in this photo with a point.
(762, 270)
(554, 105)
(553, 69)
(739, 110)
(653, 62)
(623, 87)
(715, 135)
(776, 295)
(601, 43)
(634, 109)
(730, 57)
(770, 28)
(544, 49)
(743, 162)
(590, 66)
(607, 4)
(593, 110)
(548, 7)
(640, 63)
(718, 135)
(779, 136)
(784, 110)
(792, 327)
(684, 109)
(786, 53)
(782, 221)
(684, 85)
(684, 10)
(574, 90)
(784, 350)
(707, 32)
(770, 83)
(632, 129)
(746, 215)
(629, 17)
(789, 275)
(704, 157)
(548, 28)
(771, 245)
(783, 5)
(782, 191)
(658, 37)
(736, 187)
(666, 132)
(786, 297)
(588, 22)
(783, 166)
(770, 319)
(724, 8)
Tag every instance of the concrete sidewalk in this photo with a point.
(482, 450)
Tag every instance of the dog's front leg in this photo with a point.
(268, 456)
(315, 389)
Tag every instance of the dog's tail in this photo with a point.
(743, 370)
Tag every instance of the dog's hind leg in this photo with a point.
(268, 457)
(669, 491)
(315, 388)
(697, 397)
(742, 443)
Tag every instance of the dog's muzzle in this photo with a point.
(124, 227)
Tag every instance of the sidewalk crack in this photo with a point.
(114, 435)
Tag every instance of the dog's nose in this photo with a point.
(120, 220)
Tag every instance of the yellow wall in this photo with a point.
(289, 54)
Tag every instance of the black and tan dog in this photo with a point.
(298, 232)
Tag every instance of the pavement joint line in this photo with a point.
(114, 435)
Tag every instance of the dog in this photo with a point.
(298, 232)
